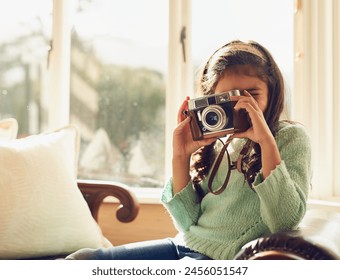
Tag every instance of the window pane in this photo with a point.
(24, 44)
(268, 22)
(118, 63)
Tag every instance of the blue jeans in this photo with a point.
(163, 249)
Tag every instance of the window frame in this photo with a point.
(180, 77)
(58, 72)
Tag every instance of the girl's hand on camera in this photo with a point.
(183, 147)
(183, 144)
(259, 132)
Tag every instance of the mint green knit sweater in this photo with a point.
(221, 224)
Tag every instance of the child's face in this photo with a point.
(250, 82)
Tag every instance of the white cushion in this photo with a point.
(8, 129)
(42, 211)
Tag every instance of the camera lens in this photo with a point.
(211, 118)
(214, 118)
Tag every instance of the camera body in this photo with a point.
(213, 114)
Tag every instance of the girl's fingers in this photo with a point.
(242, 103)
(238, 97)
(183, 123)
(251, 98)
(184, 107)
(248, 107)
(244, 134)
(246, 93)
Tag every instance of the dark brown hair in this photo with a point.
(228, 58)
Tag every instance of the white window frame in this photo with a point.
(180, 78)
(58, 84)
(316, 98)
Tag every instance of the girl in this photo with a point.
(268, 178)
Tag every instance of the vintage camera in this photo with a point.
(213, 114)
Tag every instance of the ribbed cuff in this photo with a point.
(279, 196)
(182, 206)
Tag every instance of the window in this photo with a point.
(127, 73)
(24, 46)
(200, 27)
(118, 67)
(217, 22)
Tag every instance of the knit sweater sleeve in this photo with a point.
(283, 194)
(182, 206)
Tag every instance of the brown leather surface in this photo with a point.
(317, 238)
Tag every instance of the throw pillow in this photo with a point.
(8, 129)
(43, 213)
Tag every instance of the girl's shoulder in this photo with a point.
(287, 128)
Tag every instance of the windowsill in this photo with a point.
(153, 196)
(331, 204)
(144, 196)
(148, 195)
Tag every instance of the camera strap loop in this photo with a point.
(243, 153)
(215, 167)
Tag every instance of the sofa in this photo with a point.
(95, 191)
(47, 212)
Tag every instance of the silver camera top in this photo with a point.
(207, 100)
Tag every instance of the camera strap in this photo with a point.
(215, 167)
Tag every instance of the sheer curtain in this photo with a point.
(317, 84)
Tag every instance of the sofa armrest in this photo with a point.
(95, 191)
(317, 238)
